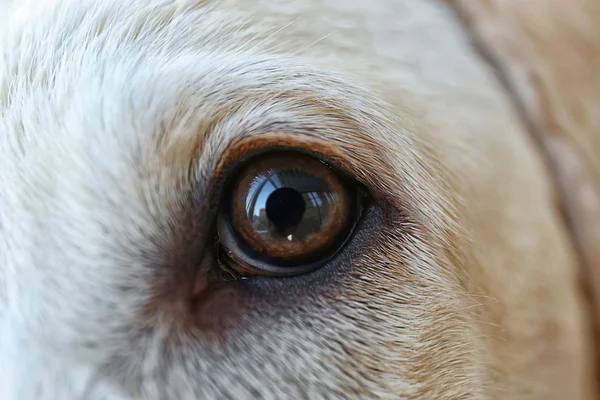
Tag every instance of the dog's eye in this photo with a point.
(285, 214)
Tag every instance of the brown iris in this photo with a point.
(288, 213)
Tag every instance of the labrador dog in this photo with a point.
(299, 199)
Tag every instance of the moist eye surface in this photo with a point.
(284, 214)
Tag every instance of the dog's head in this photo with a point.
(133, 262)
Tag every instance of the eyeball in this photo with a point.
(285, 214)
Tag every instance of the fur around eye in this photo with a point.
(285, 214)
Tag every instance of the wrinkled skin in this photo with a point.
(119, 121)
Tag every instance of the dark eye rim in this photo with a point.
(247, 265)
(230, 246)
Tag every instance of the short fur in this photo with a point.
(119, 121)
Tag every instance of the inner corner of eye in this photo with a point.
(285, 214)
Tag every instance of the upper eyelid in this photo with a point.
(228, 168)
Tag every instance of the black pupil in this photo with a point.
(285, 208)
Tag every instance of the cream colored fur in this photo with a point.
(548, 55)
(117, 118)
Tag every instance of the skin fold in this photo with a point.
(120, 121)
